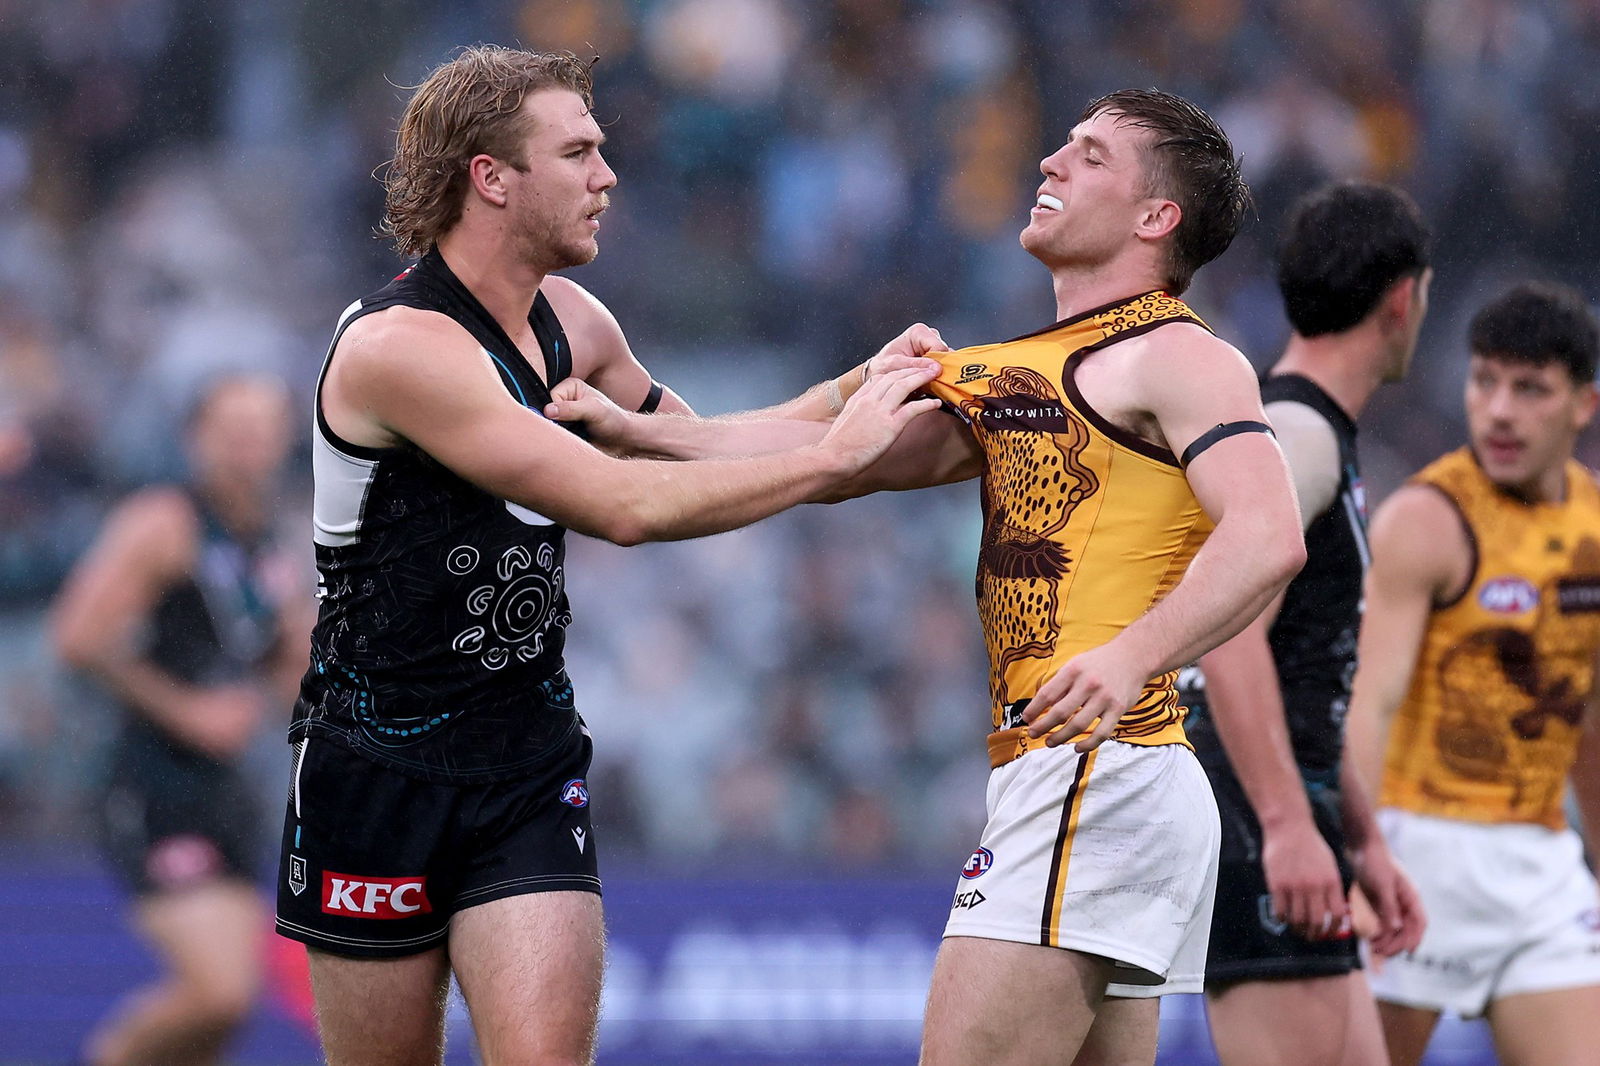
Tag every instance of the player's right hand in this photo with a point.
(876, 415)
(1303, 877)
(221, 720)
(906, 351)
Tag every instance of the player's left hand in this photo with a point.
(909, 351)
(1100, 683)
(574, 400)
(1401, 920)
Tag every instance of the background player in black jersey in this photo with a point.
(1267, 708)
(191, 615)
(438, 818)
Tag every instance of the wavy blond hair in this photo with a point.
(470, 106)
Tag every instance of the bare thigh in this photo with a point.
(1317, 1021)
(1007, 1004)
(1558, 1028)
(1406, 1032)
(530, 969)
(381, 1012)
(1124, 1033)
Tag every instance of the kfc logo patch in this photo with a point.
(374, 897)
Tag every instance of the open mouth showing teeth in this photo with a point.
(1048, 202)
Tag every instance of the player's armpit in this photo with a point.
(1420, 559)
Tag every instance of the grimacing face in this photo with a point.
(1092, 196)
(1524, 419)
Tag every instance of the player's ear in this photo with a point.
(487, 175)
(1588, 400)
(1159, 219)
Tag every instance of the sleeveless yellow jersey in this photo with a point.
(1086, 526)
(1490, 726)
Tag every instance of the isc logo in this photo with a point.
(979, 864)
(374, 897)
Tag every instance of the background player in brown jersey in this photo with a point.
(1111, 444)
(1475, 698)
(1267, 709)
(190, 611)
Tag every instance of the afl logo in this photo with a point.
(575, 793)
(1508, 595)
(979, 864)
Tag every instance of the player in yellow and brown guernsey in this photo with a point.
(1476, 700)
(1137, 513)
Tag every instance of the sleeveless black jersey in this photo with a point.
(438, 645)
(216, 626)
(1313, 640)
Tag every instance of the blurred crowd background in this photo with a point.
(186, 187)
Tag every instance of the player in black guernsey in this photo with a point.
(438, 816)
(1267, 708)
(190, 612)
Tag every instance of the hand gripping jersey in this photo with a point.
(1489, 729)
(438, 646)
(1086, 526)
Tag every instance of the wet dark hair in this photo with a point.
(1189, 161)
(1539, 323)
(1344, 246)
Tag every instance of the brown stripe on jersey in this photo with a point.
(1055, 888)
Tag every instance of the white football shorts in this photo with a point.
(1113, 853)
(1511, 909)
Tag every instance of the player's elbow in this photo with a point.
(74, 646)
(1283, 555)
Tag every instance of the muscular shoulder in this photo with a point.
(396, 333)
(1418, 533)
(1182, 356)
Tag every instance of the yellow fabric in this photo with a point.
(1489, 729)
(1085, 526)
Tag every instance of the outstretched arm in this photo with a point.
(1191, 384)
(675, 432)
(407, 375)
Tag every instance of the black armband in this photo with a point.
(652, 400)
(1221, 431)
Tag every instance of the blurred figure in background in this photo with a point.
(1476, 697)
(192, 615)
(1266, 709)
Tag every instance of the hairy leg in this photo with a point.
(1124, 1033)
(1007, 1004)
(1318, 1021)
(1557, 1028)
(530, 969)
(209, 938)
(381, 1012)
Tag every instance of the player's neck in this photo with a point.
(1079, 289)
(502, 281)
(1346, 366)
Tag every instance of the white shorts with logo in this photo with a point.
(1511, 909)
(1113, 853)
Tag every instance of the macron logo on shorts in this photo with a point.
(374, 897)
